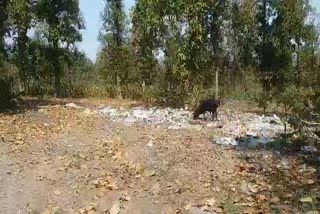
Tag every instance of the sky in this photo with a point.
(91, 13)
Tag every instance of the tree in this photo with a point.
(244, 32)
(22, 14)
(143, 38)
(3, 23)
(114, 37)
(60, 22)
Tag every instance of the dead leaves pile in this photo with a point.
(272, 183)
(21, 128)
(255, 186)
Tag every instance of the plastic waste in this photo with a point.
(233, 124)
(196, 210)
(309, 149)
(226, 141)
(73, 105)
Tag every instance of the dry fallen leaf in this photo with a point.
(125, 196)
(97, 183)
(47, 212)
(176, 211)
(261, 198)
(62, 158)
(310, 182)
(216, 189)
(207, 185)
(289, 195)
(91, 207)
(205, 208)
(62, 169)
(247, 204)
(188, 206)
(219, 210)
(210, 202)
(275, 200)
(137, 176)
(39, 178)
(155, 189)
(149, 173)
(96, 197)
(253, 188)
(115, 209)
(82, 211)
(84, 167)
(57, 192)
(83, 156)
(112, 186)
(306, 200)
(117, 155)
(248, 211)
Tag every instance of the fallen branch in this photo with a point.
(314, 114)
(311, 113)
(310, 123)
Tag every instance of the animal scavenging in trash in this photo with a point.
(209, 105)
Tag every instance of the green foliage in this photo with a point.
(21, 15)
(60, 22)
(7, 84)
(116, 58)
(197, 39)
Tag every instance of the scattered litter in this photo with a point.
(111, 112)
(252, 141)
(210, 125)
(284, 164)
(73, 105)
(306, 200)
(214, 125)
(88, 112)
(175, 119)
(150, 144)
(196, 210)
(129, 120)
(226, 141)
(116, 208)
(309, 149)
(257, 129)
(245, 189)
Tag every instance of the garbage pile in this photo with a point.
(250, 130)
(233, 123)
(169, 117)
(236, 127)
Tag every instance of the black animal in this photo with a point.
(209, 105)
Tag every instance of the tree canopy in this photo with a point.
(165, 50)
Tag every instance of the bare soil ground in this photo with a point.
(59, 160)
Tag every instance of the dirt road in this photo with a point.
(59, 160)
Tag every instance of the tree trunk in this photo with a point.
(57, 69)
(3, 18)
(217, 84)
(169, 78)
(119, 94)
(22, 40)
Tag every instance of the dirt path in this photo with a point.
(58, 160)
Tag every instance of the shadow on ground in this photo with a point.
(267, 113)
(292, 174)
(22, 105)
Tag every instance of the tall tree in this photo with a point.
(244, 32)
(22, 14)
(61, 22)
(143, 39)
(114, 37)
(3, 23)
